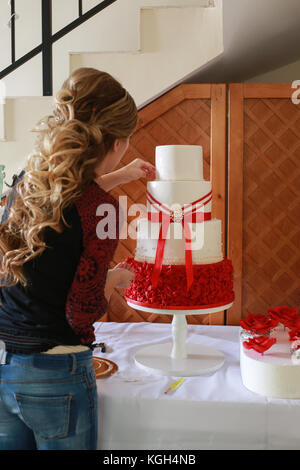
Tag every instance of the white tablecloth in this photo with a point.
(206, 412)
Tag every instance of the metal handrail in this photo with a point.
(48, 39)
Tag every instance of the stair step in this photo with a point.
(174, 43)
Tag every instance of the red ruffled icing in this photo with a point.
(213, 284)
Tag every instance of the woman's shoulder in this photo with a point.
(93, 196)
(90, 210)
(89, 205)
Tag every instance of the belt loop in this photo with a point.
(74, 363)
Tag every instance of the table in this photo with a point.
(207, 412)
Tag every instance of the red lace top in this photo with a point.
(86, 302)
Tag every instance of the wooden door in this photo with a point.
(188, 114)
(263, 197)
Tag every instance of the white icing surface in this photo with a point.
(206, 243)
(179, 193)
(179, 162)
(273, 373)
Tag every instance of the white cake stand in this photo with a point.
(179, 358)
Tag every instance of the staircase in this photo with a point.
(149, 45)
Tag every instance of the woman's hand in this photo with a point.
(136, 169)
(126, 274)
(118, 277)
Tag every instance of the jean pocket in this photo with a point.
(48, 417)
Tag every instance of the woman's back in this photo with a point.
(34, 317)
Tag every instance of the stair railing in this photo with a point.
(46, 46)
(48, 39)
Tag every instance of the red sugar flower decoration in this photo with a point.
(294, 334)
(258, 323)
(284, 314)
(293, 324)
(260, 344)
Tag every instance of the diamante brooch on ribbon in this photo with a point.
(176, 215)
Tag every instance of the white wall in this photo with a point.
(287, 73)
(21, 116)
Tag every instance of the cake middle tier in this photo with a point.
(180, 193)
(206, 242)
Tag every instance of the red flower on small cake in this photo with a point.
(294, 334)
(295, 345)
(258, 323)
(260, 344)
(284, 314)
(294, 324)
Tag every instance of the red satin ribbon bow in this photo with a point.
(188, 214)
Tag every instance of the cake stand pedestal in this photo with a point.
(179, 358)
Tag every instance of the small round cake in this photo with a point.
(274, 373)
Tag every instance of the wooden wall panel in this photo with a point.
(264, 197)
(188, 114)
(253, 161)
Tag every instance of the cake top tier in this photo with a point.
(179, 162)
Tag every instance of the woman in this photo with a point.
(56, 280)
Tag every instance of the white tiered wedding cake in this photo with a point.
(179, 260)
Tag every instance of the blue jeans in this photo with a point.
(48, 402)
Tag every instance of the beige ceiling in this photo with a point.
(259, 36)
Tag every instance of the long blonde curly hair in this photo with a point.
(91, 110)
